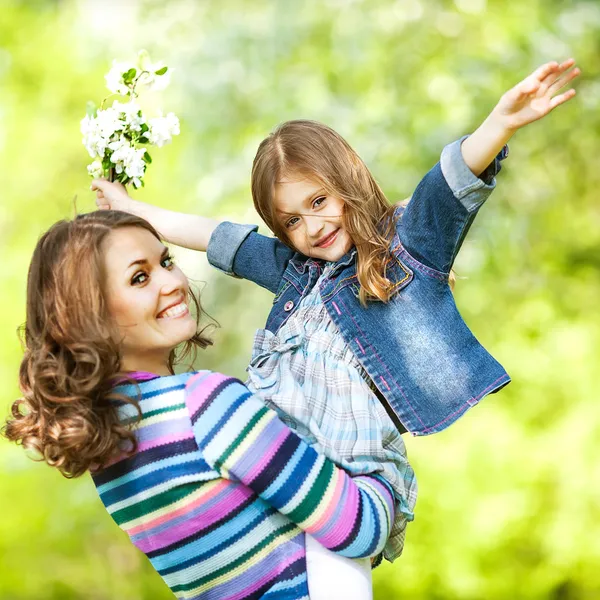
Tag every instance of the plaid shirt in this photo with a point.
(308, 374)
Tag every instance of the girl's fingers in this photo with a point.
(542, 72)
(525, 88)
(530, 86)
(554, 75)
(564, 80)
(561, 99)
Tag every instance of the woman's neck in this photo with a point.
(146, 364)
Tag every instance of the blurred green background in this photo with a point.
(509, 501)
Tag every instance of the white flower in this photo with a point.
(130, 114)
(148, 76)
(97, 131)
(108, 122)
(114, 132)
(162, 129)
(95, 169)
(114, 78)
(128, 159)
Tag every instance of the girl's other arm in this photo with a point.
(530, 100)
(245, 441)
(444, 204)
(189, 231)
(234, 249)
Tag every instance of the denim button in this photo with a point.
(288, 306)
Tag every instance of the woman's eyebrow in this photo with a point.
(143, 261)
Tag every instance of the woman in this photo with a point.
(206, 480)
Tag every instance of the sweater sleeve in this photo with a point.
(245, 441)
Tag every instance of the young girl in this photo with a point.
(364, 332)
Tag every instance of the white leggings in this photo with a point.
(334, 577)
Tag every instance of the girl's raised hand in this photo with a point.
(536, 95)
(111, 195)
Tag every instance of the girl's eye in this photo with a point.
(292, 222)
(319, 201)
(168, 260)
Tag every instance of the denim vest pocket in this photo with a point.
(398, 273)
(282, 289)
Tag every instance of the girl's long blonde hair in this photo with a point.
(68, 414)
(316, 151)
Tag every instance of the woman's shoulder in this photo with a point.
(204, 387)
(211, 382)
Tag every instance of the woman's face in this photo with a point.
(146, 295)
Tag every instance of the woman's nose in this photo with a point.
(171, 281)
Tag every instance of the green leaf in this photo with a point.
(147, 158)
(161, 71)
(91, 110)
(129, 76)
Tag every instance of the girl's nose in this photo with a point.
(314, 225)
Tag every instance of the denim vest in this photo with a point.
(416, 348)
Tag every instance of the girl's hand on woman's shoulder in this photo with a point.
(536, 96)
(111, 195)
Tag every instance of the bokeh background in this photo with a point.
(509, 501)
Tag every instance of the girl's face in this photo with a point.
(146, 296)
(312, 218)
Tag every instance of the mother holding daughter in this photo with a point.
(210, 485)
(364, 342)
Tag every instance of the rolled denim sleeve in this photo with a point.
(224, 243)
(443, 207)
(467, 187)
(239, 251)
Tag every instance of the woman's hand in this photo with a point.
(111, 195)
(536, 96)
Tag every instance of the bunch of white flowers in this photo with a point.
(115, 137)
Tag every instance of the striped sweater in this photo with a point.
(220, 491)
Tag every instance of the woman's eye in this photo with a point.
(139, 278)
(292, 222)
(318, 201)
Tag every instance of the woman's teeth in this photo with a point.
(174, 311)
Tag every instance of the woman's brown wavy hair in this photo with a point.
(68, 413)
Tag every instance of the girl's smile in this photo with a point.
(312, 219)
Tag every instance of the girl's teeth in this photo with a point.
(174, 311)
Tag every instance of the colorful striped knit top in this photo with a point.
(219, 492)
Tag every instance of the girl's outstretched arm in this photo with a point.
(189, 231)
(245, 441)
(530, 100)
